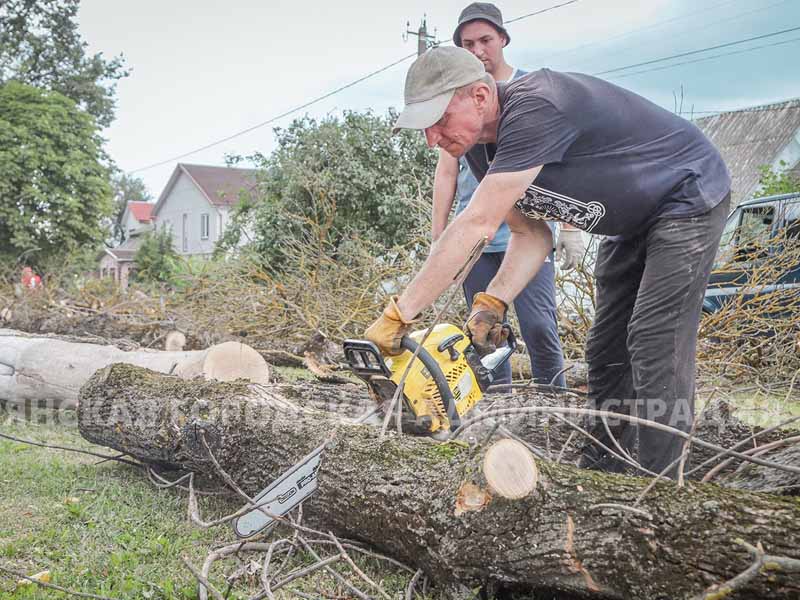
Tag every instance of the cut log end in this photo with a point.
(471, 498)
(227, 362)
(175, 341)
(234, 360)
(510, 470)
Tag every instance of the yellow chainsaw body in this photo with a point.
(420, 390)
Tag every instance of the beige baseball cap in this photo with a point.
(431, 83)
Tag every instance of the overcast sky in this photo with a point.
(203, 70)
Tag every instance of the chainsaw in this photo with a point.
(445, 381)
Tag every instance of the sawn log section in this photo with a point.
(400, 495)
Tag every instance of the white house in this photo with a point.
(137, 218)
(196, 203)
(117, 263)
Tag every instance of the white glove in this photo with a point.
(570, 248)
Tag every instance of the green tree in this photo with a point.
(349, 176)
(779, 181)
(156, 260)
(126, 188)
(40, 45)
(54, 191)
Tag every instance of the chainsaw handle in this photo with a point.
(494, 360)
(438, 377)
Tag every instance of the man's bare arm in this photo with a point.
(444, 191)
(490, 205)
(530, 243)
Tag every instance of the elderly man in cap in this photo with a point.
(580, 150)
(480, 31)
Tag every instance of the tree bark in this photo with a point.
(755, 477)
(579, 531)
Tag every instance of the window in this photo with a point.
(113, 274)
(754, 233)
(727, 243)
(185, 233)
(204, 228)
(746, 235)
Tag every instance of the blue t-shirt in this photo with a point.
(613, 162)
(467, 184)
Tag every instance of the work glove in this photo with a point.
(485, 325)
(570, 248)
(389, 329)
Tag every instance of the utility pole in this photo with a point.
(424, 39)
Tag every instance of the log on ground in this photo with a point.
(578, 531)
(43, 371)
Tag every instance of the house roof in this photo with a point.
(220, 185)
(126, 251)
(142, 211)
(750, 138)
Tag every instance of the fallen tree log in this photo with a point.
(756, 477)
(578, 531)
(48, 372)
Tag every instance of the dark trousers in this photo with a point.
(641, 346)
(536, 310)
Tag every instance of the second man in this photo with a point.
(480, 31)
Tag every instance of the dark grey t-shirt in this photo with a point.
(613, 161)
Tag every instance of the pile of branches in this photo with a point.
(335, 287)
(755, 336)
(325, 284)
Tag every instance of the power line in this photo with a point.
(701, 27)
(405, 58)
(539, 12)
(658, 24)
(697, 60)
(320, 98)
(275, 118)
(717, 47)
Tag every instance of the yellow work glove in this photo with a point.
(485, 323)
(389, 329)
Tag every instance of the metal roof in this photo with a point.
(750, 138)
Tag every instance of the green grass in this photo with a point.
(105, 529)
(102, 529)
(759, 408)
(765, 410)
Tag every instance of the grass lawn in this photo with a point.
(759, 408)
(104, 529)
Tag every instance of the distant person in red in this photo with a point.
(30, 280)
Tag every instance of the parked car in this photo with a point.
(759, 253)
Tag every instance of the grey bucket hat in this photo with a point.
(431, 82)
(483, 11)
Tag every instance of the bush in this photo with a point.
(347, 177)
(156, 260)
